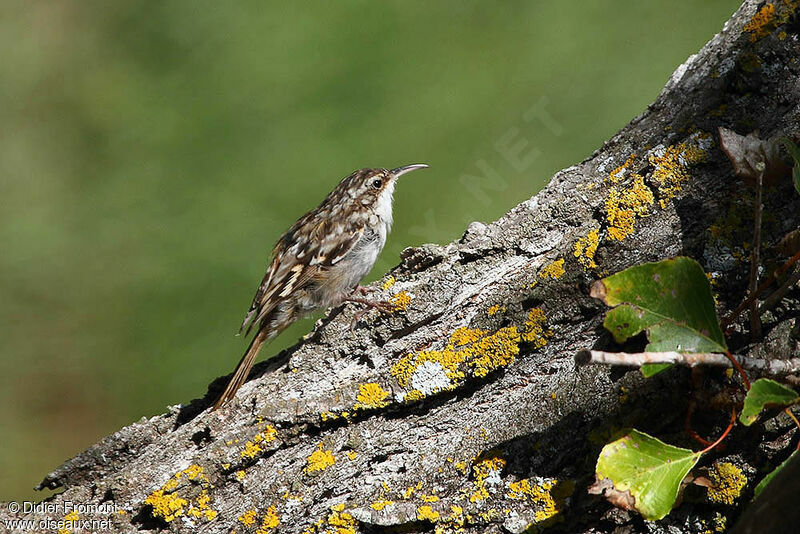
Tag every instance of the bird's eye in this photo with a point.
(377, 183)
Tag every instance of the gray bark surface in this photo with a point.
(455, 452)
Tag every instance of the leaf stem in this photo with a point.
(687, 426)
(723, 436)
(739, 368)
(796, 422)
(764, 285)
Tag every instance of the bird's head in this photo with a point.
(374, 187)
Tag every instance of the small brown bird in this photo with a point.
(320, 260)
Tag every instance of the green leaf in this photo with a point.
(765, 392)
(652, 369)
(767, 479)
(671, 300)
(649, 469)
(792, 149)
(795, 153)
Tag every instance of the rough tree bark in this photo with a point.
(464, 412)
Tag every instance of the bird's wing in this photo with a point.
(302, 253)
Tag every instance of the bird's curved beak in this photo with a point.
(400, 171)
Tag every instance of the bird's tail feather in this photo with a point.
(243, 369)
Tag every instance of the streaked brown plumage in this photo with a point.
(321, 259)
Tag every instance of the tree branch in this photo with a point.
(465, 409)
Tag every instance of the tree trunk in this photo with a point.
(465, 412)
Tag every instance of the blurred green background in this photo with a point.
(152, 152)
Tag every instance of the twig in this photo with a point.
(691, 359)
(779, 293)
(725, 323)
(755, 260)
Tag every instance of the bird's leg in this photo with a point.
(380, 305)
(361, 289)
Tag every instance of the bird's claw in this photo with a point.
(380, 305)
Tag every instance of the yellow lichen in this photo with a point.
(720, 523)
(352, 455)
(623, 205)
(167, 504)
(336, 522)
(727, 483)
(762, 23)
(671, 167)
(380, 505)
(493, 351)
(389, 283)
(454, 522)
(482, 470)
(464, 336)
(414, 395)
(548, 495)
(426, 513)
(319, 460)
(534, 331)
(429, 498)
(493, 310)
(485, 467)
(239, 475)
(270, 521)
(489, 515)
(400, 301)
(193, 471)
(343, 521)
(471, 349)
(69, 519)
(255, 447)
(479, 494)
(371, 396)
(328, 416)
(585, 249)
(618, 174)
(552, 270)
(200, 509)
(409, 491)
(251, 450)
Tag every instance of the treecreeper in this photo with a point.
(320, 261)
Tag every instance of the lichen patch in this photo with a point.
(546, 495)
(169, 502)
(727, 482)
(586, 247)
(672, 164)
(469, 350)
(319, 460)
(371, 396)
